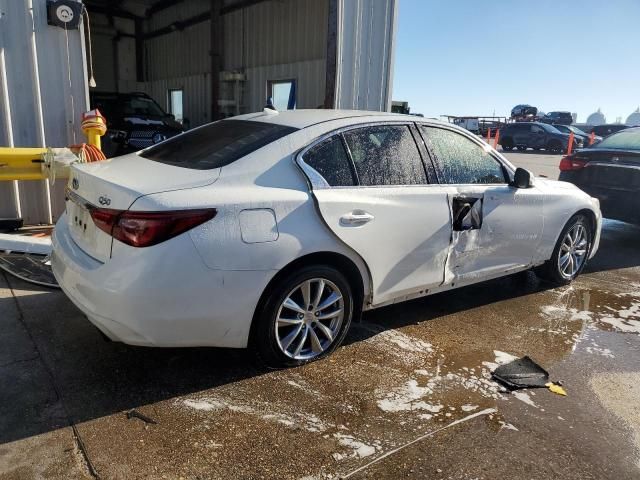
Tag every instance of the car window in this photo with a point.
(461, 160)
(386, 155)
(624, 140)
(216, 144)
(536, 129)
(330, 159)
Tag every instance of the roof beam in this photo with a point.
(161, 5)
(239, 6)
(111, 11)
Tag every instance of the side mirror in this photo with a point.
(522, 178)
(170, 116)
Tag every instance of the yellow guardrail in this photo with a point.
(43, 163)
(22, 163)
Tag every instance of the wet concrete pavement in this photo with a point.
(408, 396)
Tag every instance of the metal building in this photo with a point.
(199, 59)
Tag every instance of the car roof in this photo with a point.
(306, 118)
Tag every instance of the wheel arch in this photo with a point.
(590, 214)
(358, 280)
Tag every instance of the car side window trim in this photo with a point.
(318, 181)
(507, 172)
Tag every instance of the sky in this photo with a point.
(470, 57)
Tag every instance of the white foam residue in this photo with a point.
(624, 325)
(360, 449)
(204, 405)
(561, 312)
(407, 348)
(421, 372)
(507, 426)
(408, 397)
(503, 357)
(265, 411)
(468, 407)
(524, 397)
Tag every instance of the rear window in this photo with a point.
(216, 144)
(625, 140)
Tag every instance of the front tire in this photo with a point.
(305, 317)
(570, 253)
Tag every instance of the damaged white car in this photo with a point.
(275, 231)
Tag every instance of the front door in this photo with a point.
(496, 227)
(373, 192)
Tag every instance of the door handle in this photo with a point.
(355, 218)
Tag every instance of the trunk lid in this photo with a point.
(116, 184)
(611, 169)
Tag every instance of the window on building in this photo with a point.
(386, 155)
(175, 104)
(330, 159)
(461, 160)
(283, 94)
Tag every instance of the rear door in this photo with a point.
(373, 191)
(521, 134)
(496, 228)
(537, 136)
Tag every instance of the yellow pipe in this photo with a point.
(93, 137)
(21, 163)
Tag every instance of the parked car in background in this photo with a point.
(609, 171)
(522, 112)
(561, 118)
(608, 129)
(134, 121)
(584, 136)
(536, 135)
(274, 231)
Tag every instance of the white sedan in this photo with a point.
(276, 230)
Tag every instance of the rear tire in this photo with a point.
(570, 254)
(507, 144)
(522, 148)
(287, 333)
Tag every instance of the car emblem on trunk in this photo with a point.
(75, 184)
(104, 201)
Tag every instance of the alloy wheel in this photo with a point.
(573, 251)
(309, 319)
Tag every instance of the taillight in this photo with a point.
(143, 229)
(569, 163)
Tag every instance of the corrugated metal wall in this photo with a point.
(41, 99)
(268, 41)
(366, 54)
(42, 95)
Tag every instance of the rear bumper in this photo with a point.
(160, 296)
(616, 204)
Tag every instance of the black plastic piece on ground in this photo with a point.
(521, 373)
(10, 224)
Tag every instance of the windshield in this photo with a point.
(577, 130)
(216, 144)
(624, 140)
(142, 107)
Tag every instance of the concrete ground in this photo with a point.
(408, 396)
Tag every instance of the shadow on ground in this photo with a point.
(73, 375)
